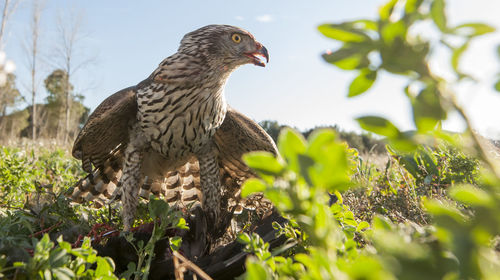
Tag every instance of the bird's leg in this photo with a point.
(131, 177)
(210, 181)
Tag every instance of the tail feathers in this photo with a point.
(180, 187)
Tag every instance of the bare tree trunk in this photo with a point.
(35, 28)
(70, 51)
(7, 11)
(32, 51)
(4, 21)
(68, 101)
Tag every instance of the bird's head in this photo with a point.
(224, 45)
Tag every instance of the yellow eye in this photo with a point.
(236, 38)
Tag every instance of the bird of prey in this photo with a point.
(174, 133)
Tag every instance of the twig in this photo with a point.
(45, 230)
(190, 265)
(178, 270)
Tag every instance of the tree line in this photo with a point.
(54, 67)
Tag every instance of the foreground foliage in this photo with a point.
(330, 243)
(430, 212)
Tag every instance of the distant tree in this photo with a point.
(57, 85)
(71, 55)
(272, 128)
(9, 97)
(32, 50)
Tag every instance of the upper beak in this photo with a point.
(261, 51)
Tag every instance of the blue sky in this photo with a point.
(130, 38)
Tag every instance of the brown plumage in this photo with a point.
(180, 186)
(174, 133)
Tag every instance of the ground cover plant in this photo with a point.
(428, 209)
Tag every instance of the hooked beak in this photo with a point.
(258, 55)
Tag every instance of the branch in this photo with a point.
(180, 267)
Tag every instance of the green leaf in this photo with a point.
(394, 30)
(457, 54)
(442, 208)
(252, 185)
(105, 267)
(473, 29)
(255, 270)
(471, 195)
(362, 82)
(243, 238)
(381, 222)
(181, 224)
(157, 207)
(175, 243)
(348, 58)
(343, 32)
(264, 162)
(497, 86)
(365, 24)
(290, 145)
(63, 273)
(412, 6)
(318, 140)
(386, 10)
(438, 15)
(362, 226)
(379, 126)
(411, 165)
(428, 109)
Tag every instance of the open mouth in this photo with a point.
(259, 56)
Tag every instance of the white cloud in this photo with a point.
(240, 18)
(264, 18)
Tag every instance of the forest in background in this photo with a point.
(51, 67)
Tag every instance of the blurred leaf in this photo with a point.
(427, 109)
(348, 57)
(472, 196)
(362, 226)
(252, 185)
(394, 30)
(412, 5)
(343, 32)
(243, 238)
(105, 267)
(331, 167)
(386, 10)
(497, 86)
(442, 208)
(365, 24)
(411, 165)
(457, 54)
(157, 207)
(438, 15)
(473, 29)
(362, 82)
(290, 145)
(381, 222)
(264, 162)
(379, 126)
(255, 270)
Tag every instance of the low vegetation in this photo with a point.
(426, 207)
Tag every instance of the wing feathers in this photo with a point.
(179, 182)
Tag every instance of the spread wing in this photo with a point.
(179, 182)
(106, 129)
